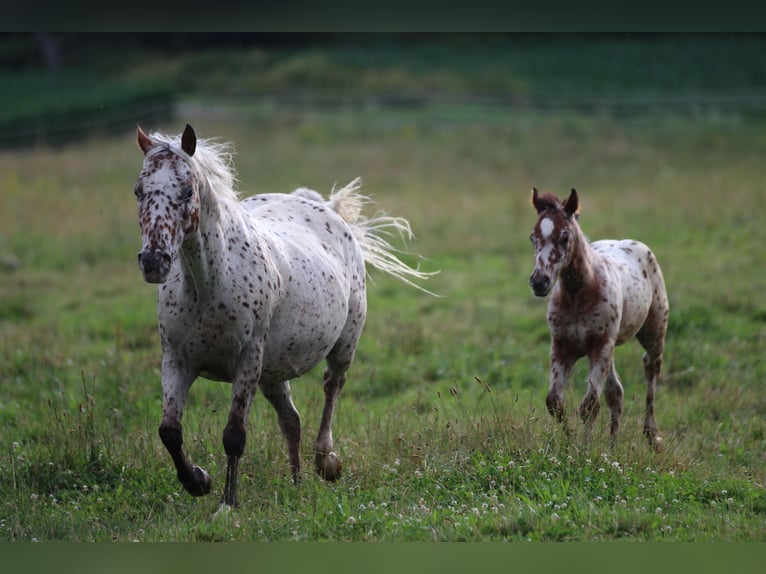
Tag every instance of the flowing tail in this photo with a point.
(369, 232)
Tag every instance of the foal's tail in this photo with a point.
(377, 251)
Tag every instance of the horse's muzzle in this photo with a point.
(541, 284)
(155, 265)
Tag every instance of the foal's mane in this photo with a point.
(212, 160)
(549, 201)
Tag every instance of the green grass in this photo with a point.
(442, 425)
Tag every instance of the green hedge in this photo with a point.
(55, 108)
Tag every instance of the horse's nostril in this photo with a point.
(166, 258)
(540, 283)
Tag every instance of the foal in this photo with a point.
(608, 292)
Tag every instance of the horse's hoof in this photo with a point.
(201, 483)
(328, 466)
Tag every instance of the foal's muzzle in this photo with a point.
(541, 284)
(155, 265)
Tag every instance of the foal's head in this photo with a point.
(168, 198)
(553, 238)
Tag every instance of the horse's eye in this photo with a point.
(187, 193)
(532, 237)
(564, 238)
(138, 190)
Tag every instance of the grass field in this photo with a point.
(441, 426)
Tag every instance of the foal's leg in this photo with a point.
(600, 366)
(175, 389)
(652, 367)
(561, 366)
(614, 395)
(289, 421)
(652, 339)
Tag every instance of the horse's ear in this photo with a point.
(538, 205)
(143, 140)
(189, 140)
(572, 204)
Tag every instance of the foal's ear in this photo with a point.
(572, 204)
(538, 205)
(189, 141)
(143, 140)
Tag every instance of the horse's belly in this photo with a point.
(288, 357)
(637, 300)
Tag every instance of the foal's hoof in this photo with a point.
(223, 511)
(328, 466)
(201, 483)
(654, 440)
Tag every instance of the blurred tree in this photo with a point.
(49, 48)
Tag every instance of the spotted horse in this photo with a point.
(253, 292)
(601, 295)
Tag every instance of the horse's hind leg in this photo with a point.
(614, 394)
(652, 367)
(289, 421)
(652, 339)
(327, 462)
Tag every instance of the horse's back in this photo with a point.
(323, 276)
(640, 276)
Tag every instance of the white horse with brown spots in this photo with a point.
(607, 292)
(253, 292)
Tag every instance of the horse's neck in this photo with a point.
(205, 254)
(579, 272)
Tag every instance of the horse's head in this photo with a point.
(553, 238)
(167, 192)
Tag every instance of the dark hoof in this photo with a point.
(328, 466)
(200, 482)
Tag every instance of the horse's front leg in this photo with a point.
(175, 388)
(561, 366)
(614, 394)
(243, 390)
(600, 367)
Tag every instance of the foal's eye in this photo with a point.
(564, 238)
(187, 192)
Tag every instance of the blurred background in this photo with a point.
(663, 137)
(58, 86)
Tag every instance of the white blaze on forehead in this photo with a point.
(546, 228)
